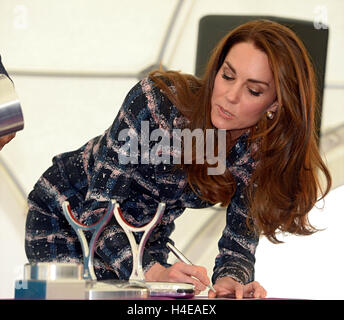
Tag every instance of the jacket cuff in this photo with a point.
(237, 273)
(148, 261)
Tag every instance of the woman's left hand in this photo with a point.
(228, 287)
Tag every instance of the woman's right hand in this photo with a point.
(180, 272)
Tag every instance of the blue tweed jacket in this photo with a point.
(92, 175)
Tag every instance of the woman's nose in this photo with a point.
(233, 93)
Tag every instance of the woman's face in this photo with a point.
(244, 89)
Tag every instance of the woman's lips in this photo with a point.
(224, 113)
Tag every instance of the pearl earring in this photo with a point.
(270, 115)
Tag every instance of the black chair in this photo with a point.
(213, 27)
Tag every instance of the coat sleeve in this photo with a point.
(238, 243)
(88, 178)
(237, 246)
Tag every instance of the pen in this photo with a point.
(182, 258)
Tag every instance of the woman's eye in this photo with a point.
(254, 93)
(224, 76)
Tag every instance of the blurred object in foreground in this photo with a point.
(11, 116)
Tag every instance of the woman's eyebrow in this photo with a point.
(258, 81)
(250, 80)
(230, 66)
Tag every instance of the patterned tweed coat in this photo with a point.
(92, 175)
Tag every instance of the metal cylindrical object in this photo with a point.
(115, 290)
(11, 116)
(53, 271)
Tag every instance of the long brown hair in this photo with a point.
(288, 159)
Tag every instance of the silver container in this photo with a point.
(11, 116)
(115, 290)
(170, 289)
(53, 271)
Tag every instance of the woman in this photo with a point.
(259, 87)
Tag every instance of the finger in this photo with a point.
(254, 290)
(250, 288)
(179, 276)
(198, 272)
(226, 294)
(260, 293)
(239, 292)
(197, 292)
(227, 289)
(211, 294)
(199, 286)
(219, 291)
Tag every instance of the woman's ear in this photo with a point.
(273, 107)
(270, 111)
